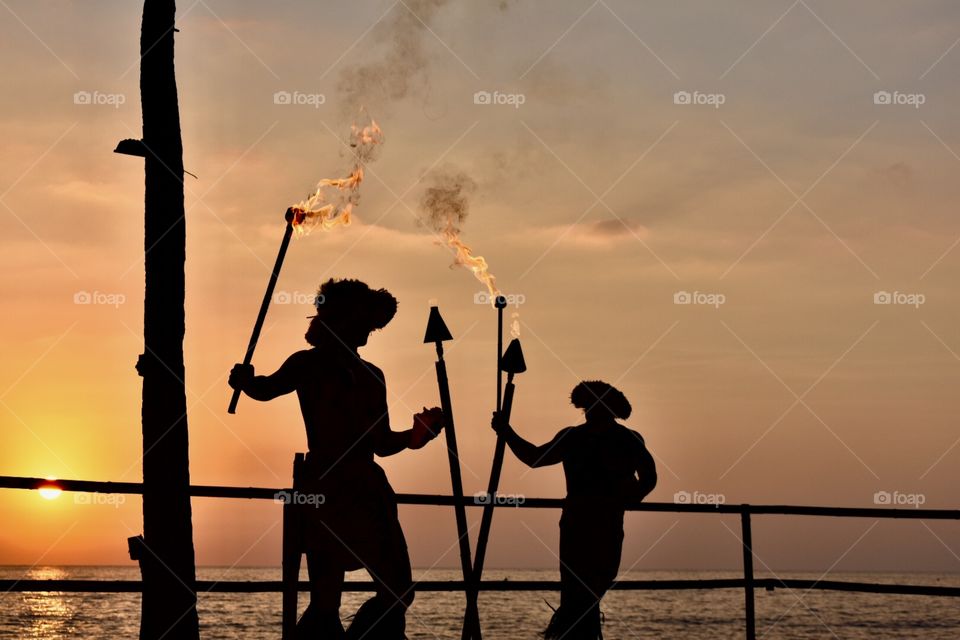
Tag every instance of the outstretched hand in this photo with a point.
(426, 426)
(240, 376)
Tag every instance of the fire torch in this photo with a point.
(290, 217)
(438, 333)
(511, 362)
(500, 302)
(329, 206)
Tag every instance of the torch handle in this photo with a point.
(472, 613)
(499, 354)
(264, 306)
(454, 459)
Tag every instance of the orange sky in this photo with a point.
(599, 199)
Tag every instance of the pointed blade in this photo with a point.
(436, 328)
(512, 360)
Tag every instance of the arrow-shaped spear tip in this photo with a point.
(436, 328)
(512, 361)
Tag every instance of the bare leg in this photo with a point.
(383, 617)
(391, 571)
(321, 620)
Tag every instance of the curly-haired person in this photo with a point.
(343, 399)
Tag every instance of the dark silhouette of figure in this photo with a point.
(343, 399)
(605, 464)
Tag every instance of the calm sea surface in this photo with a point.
(693, 615)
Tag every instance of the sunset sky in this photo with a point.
(788, 194)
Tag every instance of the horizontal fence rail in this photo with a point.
(266, 493)
(749, 583)
(275, 586)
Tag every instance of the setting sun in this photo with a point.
(50, 491)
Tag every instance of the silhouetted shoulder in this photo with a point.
(634, 436)
(374, 369)
(636, 442)
(302, 357)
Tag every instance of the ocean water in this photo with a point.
(688, 615)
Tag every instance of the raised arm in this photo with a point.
(527, 452)
(264, 388)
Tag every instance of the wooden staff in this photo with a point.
(265, 304)
(438, 333)
(500, 302)
(511, 362)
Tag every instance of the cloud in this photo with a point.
(600, 234)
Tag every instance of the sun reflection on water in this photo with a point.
(46, 614)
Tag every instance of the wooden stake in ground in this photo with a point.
(168, 606)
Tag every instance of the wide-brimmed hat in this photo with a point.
(594, 394)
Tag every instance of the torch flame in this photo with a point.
(464, 256)
(445, 204)
(331, 203)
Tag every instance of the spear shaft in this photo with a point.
(453, 457)
(437, 333)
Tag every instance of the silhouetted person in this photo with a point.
(343, 399)
(605, 464)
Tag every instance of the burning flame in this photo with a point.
(464, 256)
(331, 203)
(445, 204)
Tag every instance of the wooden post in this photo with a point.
(292, 553)
(747, 539)
(169, 603)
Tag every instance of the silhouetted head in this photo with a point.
(600, 400)
(347, 311)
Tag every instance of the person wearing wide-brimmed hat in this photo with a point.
(353, 522)
(605, 465)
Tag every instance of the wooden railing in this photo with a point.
(748, 583)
